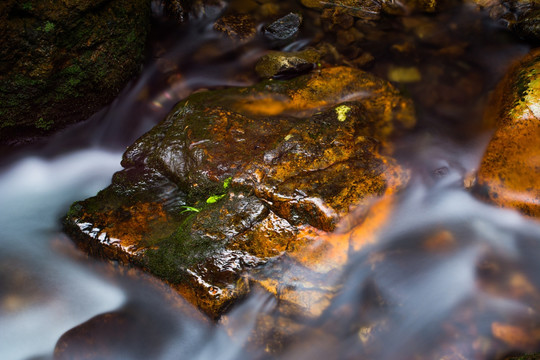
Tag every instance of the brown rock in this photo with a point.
(508, 174)
(235, 177)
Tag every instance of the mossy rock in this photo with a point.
(63, 60)
(508, 174)
(232, 178)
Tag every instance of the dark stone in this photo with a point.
(284, 29)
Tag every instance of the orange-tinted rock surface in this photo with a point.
(509, 174)
(233, 178)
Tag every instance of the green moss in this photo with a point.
(69, 80)
(43, 124)
(73, 70)
(27, 6)
(74, 210)
(177, 253)
(49, 26)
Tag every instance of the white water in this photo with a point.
(51, 293)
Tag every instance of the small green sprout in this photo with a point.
(189, 209)
(214, 198)
(227, 182)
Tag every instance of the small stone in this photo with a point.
(284, 29)
(286, 65)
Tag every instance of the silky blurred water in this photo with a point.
(43, 294)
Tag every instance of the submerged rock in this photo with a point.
(234, 177)
(239, 27)
(508, 174)
(61, 61)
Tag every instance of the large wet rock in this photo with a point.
(233, 178)
(508, 174)
(60, 61)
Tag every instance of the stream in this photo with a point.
(434, 302)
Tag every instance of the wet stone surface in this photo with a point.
(508, 174)
(232, 178)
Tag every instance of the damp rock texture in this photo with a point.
(60, 61)
(508, 174)
(233, 179)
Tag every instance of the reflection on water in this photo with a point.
(450, 277)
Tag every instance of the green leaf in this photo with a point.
(214, 198)
(227, 182)
(189, 209)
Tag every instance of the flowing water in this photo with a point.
(403, 296)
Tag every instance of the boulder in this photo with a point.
(234, 178)
(63, 60)
(508, 173)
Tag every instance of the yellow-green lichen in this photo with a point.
(342, 111)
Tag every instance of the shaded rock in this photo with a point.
(287, 64)
(62, 61)
(284, 29)
(135, 331)
(229, 179)
(112, 335)
(508, 174)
